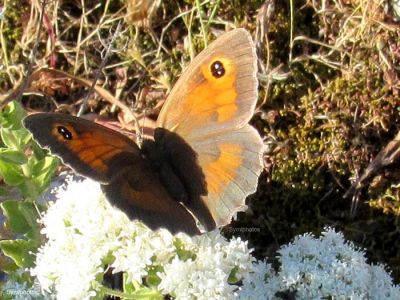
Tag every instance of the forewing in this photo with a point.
(89, 148)
(201, 102)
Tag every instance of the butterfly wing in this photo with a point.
(138, 192)
(217, 91)
(209, 108)
(90, 149)
(232, 163)
(114, 160)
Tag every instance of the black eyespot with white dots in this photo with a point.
(66, 134)
(217, 69)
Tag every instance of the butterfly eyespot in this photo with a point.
(66, 134)
(217, 69)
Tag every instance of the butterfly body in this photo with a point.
(204, 159)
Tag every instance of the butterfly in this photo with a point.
(204, 160)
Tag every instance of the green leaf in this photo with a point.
(11, 173)
(30, 212)
(7, 266)
(15, 138)
(143, 293)
(182, 253)
(20, 251)
(39, 152)
(38, 174)
(9, 139)
(15, 218)
(45, 165)
(12, 115)
(29, 189)
(24, 136)
(21, 218)
(43, 171)
(131, 290)
(3, 191)
(146, 293)
(13, 156)
(127, 286)
(232, 279)
(152, 278)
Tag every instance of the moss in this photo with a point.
(389, 201)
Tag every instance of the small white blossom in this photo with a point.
(79, 235)
(261, 283)
(85, 235)
(83, 229)
(206, 277)
(330, 267)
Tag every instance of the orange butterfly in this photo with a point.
(204, 160)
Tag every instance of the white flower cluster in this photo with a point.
(84, 234)
(331, 268)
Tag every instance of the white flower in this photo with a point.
(83, 231)
(329, 267)
(206, 276)
(85, 235)
(79, 236)
(261, 283)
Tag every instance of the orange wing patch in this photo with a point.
(225, 168)
(88, 147)
(216, 94)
